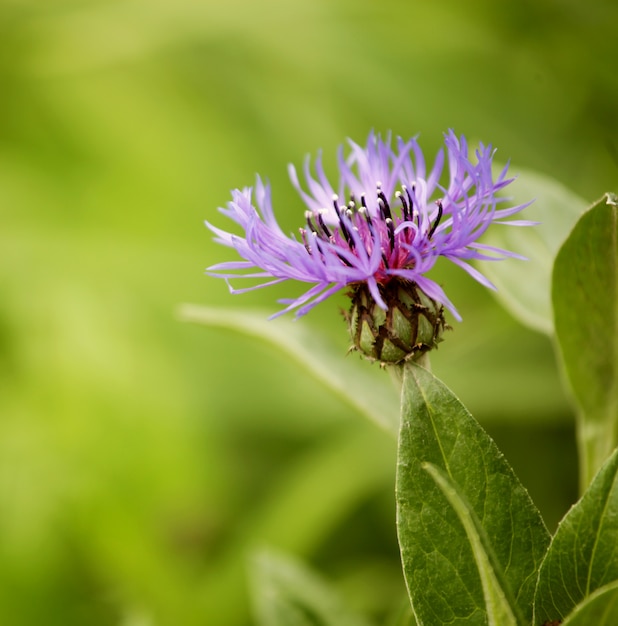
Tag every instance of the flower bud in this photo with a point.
(412, 324)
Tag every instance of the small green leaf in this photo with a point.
(501, 610)
(439, 566)
(372, 394)
(583, 555)
(524, 286)
(287, 593)
(585, 298)
(598, 609)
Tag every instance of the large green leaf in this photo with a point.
(439, 566)
(585, 298)
(287, 593)
(598, 609)
(351, 379)
(583, 556)
(524, 287)
(499, 605)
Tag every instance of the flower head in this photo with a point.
(385, 222)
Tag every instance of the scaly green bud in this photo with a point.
(411, 326)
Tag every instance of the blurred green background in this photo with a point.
(142, 460)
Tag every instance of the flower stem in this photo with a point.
(596, 439)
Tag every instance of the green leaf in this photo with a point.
(598, 609)
(583, 556)
(373, 395)
(287, 593)
(501, 610)
(585, 298)
(524, 286)
(439, 566)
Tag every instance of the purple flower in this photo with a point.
(387, 218)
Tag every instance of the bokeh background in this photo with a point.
(142, 460)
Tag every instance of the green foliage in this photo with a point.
(351, 379)
(500, 607)
(582, 558)
(439, 564)
(585, 298)
(599, 608)
(287, 593)
(141, 459)
(525, 287)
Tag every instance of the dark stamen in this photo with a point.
(391, 232)
(344, 260)
(323, 226)
(342, 226)
(411, 201)
(340, 256)
(405, 210)
(387, 209)
(308, 216)
(364, 211)
(303, 235)
(437, 220)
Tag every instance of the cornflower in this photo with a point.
(378, 234)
